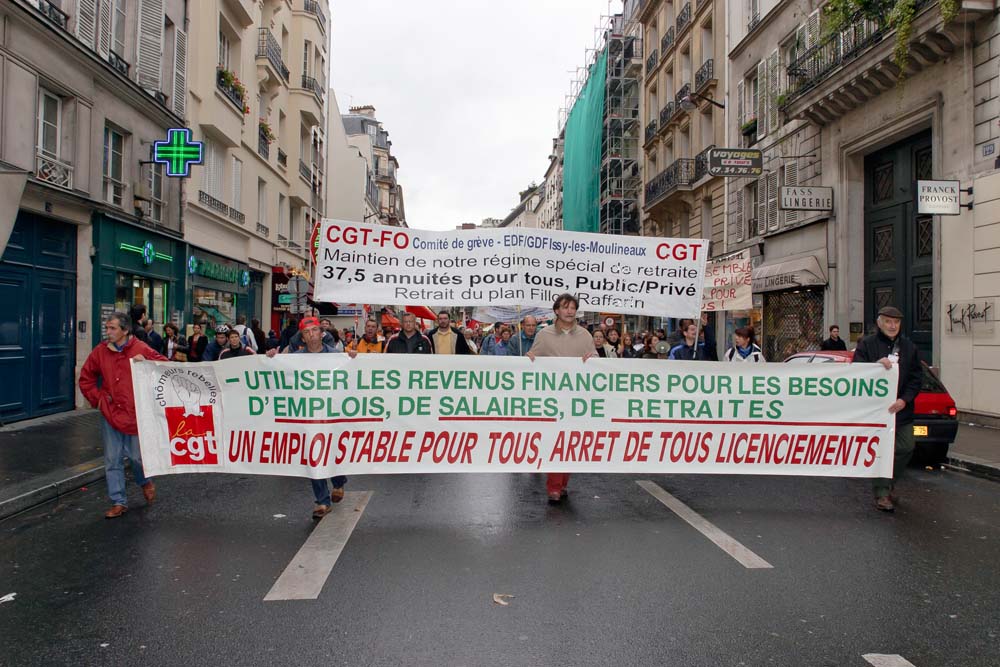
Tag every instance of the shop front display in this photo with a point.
(219, 289)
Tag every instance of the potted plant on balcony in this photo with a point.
(229, 80)
(749, 127)
(265, 130)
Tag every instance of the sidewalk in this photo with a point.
(42, 459)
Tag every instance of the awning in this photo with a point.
(790, 273)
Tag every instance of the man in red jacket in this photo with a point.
(109, 363)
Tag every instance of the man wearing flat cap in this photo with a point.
(889, 346)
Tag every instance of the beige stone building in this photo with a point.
(550, 213)
(525, 214)
(365, 132)
(685, 53)
(834, 110)
(352, 194)
(258, 100)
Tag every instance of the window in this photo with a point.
(212, 173)
(370, 129)
(118, 27)
(237, 184)
(156, 202)
(282, 216)
(49, 112)
(262, 201)
(114, 160)
(306, 49)
(223, 50)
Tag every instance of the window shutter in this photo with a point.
(86, 21)
(104, 28)
(740, 218)
(772, 201)
(180, 73)
(791, 180)
(772, 91)
(762, 99)
(237, 184)
(761, 205)
(812, 28)
(740, 113)
(150, 52)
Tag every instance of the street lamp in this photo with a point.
(688, 101)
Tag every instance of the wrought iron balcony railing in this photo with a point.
(309, 83)
(683, 18)
(305, 171)
(704, 74)
(263, 143)
(119, 63)
(53, 171)
(651, 61)
(313, 7)
(237, 217)
(230, 92)
(263, 230)
(52, 13)
(701, 163)
(650, 130)
(682, 93)
(282, 158)
(679, 174)
(208, 200)
(666, 113)
(667, 41)
(753, 22)
(268, 47)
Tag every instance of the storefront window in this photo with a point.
(212, 307)
(133, 290)
(793, 321)
(747, 318)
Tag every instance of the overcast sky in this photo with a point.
(469, 92)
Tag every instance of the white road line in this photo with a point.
(744, 556)
(305, 576)
(885, 660)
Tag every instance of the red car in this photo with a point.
(935, 417)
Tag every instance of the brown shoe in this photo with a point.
(149, 492)
(884, 504)
(336, 495)
(320, 511)
(115, 511)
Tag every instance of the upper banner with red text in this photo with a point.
(320, 415)
(509, 267)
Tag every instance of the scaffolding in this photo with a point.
(620, 179)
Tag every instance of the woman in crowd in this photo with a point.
(628, 347)
(197, 343)
(234, 346)
(649, 351)
(602, 347)
(171, 339)
(744, 348)
(338, 345)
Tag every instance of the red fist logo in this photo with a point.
(192, 438)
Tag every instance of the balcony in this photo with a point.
(313, 8)
(846, 69)
(237, 217)
(651, 131)
(309, 83)
(305, 172)
(268, 47)
(683, 18)
(753, 22)
(120, 64)
(53, 171)
(682, 93)
(52, 13)
(211, 202)
(704, 75)
(263, 230)
(263, 142)
(282, 158)
(667, 42)
(231, 91)
(666, 113)
(701, 164)
(679, 174)
(651, 61)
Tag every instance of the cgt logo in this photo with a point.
(192, 438)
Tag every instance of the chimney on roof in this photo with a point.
(366, 110)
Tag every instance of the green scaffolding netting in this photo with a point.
(582, 159)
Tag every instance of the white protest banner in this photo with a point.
(318, 415)
(507, 314)
(729, 283)
(510, 267)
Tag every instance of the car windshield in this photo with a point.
(930, 382)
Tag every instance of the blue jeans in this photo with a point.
(117, 446)
(322, 492)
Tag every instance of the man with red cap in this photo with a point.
(312, 343)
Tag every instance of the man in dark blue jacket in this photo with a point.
(889, 346)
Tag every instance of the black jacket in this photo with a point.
(831, 344)
(911, 373)
(415, 344)
(461, 346)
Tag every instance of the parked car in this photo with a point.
(935, 417)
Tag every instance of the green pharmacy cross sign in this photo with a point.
(178, 152)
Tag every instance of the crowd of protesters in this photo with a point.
(106, 381)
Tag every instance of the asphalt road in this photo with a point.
(611, 577)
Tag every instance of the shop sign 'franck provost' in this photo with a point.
(941, 198)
